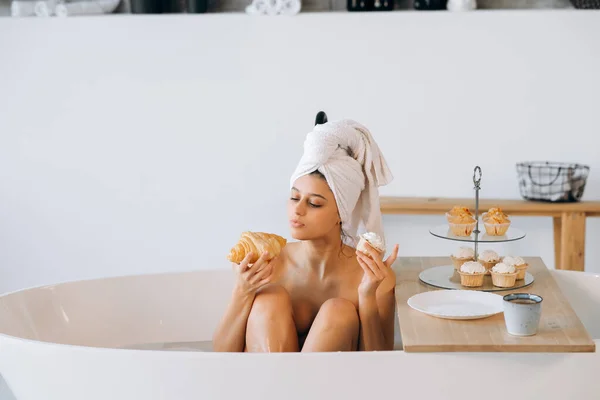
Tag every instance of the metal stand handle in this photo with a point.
(477, 182)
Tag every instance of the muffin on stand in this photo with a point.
(458, 211)
(461, 256)
(504, 275)
(519, 264)
(496, 222)
(461, 221)
(462, 225)
(472, 274)
(488, 258)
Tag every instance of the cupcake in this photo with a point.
(458, 211)
(374, 240)
(504, 275)
(496, 222)
(461, 256)
(488, 258)
(471, 274)
(519, 264)
(462, 225)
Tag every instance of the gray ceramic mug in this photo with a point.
(522, 313)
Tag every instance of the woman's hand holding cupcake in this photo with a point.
(369, 254)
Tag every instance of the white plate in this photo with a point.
(457, 304)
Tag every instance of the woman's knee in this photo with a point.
(338, 311)
(272, 301)
(270, 326)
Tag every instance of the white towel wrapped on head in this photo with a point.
(354, 167)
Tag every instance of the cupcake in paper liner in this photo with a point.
(519, 264)
(458, 211)
(488, 258)
(496, 222)
(462, 225)
(504, 275)
(493, 229)
(372, 239)
(471, 274)
(461, 256)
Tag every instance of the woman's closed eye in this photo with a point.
(295, 199)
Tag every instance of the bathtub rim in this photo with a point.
(211, 354)
(595, 275)
(193, 354)
(7, 339)
(104, 278)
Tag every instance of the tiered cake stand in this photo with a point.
(446, 277)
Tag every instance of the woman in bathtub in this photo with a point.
(320, 293)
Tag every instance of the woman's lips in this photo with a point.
(296, 224)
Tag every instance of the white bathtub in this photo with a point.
(63, 342)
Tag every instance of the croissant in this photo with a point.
(257, 243)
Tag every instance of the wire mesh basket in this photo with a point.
(586, 4)
(552, 181)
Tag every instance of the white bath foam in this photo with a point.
(205, 346)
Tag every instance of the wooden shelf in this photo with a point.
(439, 205)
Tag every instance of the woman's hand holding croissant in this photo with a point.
(250, 278)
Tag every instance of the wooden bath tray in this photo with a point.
(560, 329)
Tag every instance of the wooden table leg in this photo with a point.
(572, 249)
(557, 222)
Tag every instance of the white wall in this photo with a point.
(141, 144)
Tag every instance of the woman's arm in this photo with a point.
(376, 313)
(230, 335)
(376, 301)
